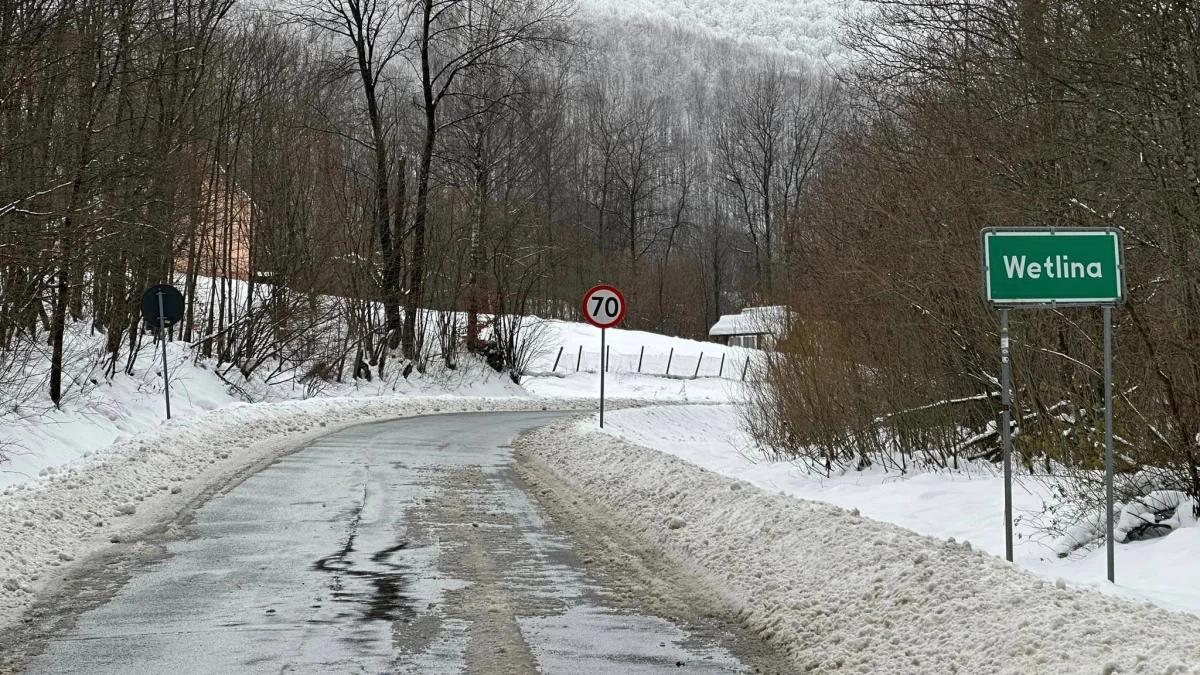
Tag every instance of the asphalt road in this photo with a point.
(411, 546)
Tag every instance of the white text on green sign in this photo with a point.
(1028, 266)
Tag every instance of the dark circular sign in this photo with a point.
(172, 304)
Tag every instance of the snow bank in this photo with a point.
(966, 505)
(113, 495)
(841, 593)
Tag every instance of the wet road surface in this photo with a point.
(410, 546)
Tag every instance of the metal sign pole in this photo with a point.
(608, 311)
(603, 367)
(1108, 437)
(162, 335)
(1009, 283)
(1006, 434)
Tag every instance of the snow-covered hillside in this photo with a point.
(807, 27)
(641, 365)
(570, 347)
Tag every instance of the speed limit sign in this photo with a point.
(604, 306)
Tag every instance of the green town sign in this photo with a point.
(1053, 267)
(1059, 267)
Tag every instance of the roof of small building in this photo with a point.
(751, 321)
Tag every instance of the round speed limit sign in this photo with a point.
(603, 306)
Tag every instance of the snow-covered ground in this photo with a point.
(641, 365)
(107, 465)
(703, 390)
(839, 592)
(569, 347)
(966, 505)
(98, 413)
(107, 412)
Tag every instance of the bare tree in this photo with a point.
(375, 34)
(454, 39)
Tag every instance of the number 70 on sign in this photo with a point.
(603, 306)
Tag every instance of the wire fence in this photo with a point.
(662, 364)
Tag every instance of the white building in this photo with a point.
(754, 327)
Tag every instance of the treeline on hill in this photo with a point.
(316, 173)
(1001, 113)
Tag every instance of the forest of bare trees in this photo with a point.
(1000, 113)
(298, 167)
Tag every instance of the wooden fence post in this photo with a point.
(669, 357)
(560, 350)
(579, 358)
(640, 355)
(721, 370)
(745, 368)
(698, 362)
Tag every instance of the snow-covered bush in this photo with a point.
(1154, 515)
(1074, 516)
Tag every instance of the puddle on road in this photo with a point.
(595, 641)
(444, 655)
(389, 578)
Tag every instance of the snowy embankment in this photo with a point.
(567, 346)
(98, 412)
(101, 413)
(967, 505)
(842, 593)
(113, 496)
(587, 385)
(641, 364)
